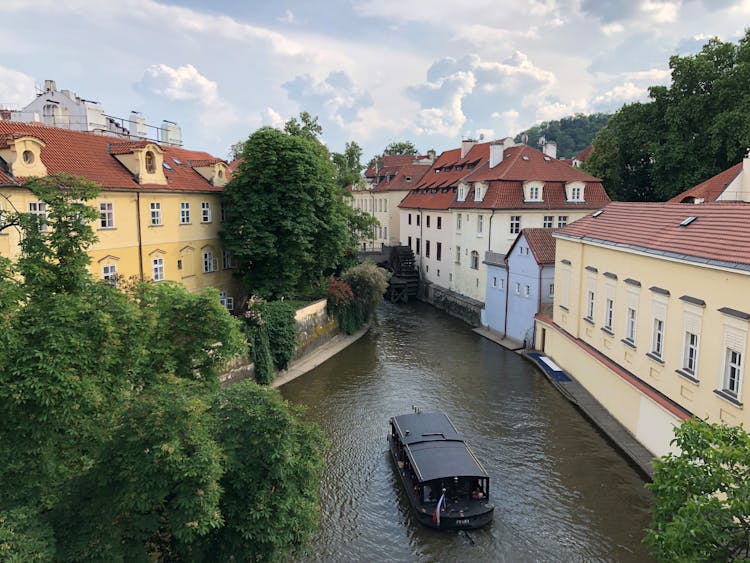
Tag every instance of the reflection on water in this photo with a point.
(561, 492)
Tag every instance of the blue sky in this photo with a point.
(374, 71)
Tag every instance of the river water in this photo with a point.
(561, 492)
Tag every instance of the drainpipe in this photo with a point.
(489, 234)
(140, 233)
(507, 293)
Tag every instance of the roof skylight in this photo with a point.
(166, 165)
(598, 213)
(687, 221)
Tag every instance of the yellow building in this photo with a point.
(652, 313)
(160, 206)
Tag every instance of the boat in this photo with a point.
(445, 483)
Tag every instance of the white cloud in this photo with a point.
(337, 96)
(652, 75)
(183, 83)
(448, 118)
(661, 11)
(16, 88)
(288, 17)
(627, 92)
(612, 28)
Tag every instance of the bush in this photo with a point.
(279, 317)
(355, 296)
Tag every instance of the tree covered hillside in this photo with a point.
(572, 134)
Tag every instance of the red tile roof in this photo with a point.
(717, 235)
(125, 147)
(403, 177)
(542, 244)
(711, 189)
(522, 163)
(88, 155)
(583, 156)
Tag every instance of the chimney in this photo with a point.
(466, 145)
(138, 125)
(550, 149)
(431, 155)
(746, 177)
(50, 86)
(4, 114)
(496, 153)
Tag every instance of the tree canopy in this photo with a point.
(348, 165)
(702, 495)
(115, 438)
(287, 222)
(572, 134)
(401, 147)
(691, 130)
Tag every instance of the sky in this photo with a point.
(373, 71)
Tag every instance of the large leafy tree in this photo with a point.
(348, 166)
(702, 495)
(110, 442)
(572, 134)
(688, 132)
(401, 147)
(287, 222)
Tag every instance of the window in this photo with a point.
(690, 354)
(590, 302)
(562, 220)
(534, 193)
(552, 290)
(527, 291)
(494, 281)
(478, 192)
(150, 162)
(385, 233)
(630, 326)
(225, 301)
(548, 221)
(39, 209)
(223, 211)
(575, 194)
(461, 193)
(385, 205)
(109, 273)
(427, 249)
(418, 246)
(657, 341)
(458, 254)
(609, 311)
(184, 212)
(157, 269)
(459, 218)
(408, 219)
(428, 220)
(205, 212)
(732, 372)
(209, 265)
(502, 284)
(480, 224)
(515, 224)
(226, 259)
(418, 220)
(155, 213)
(107, 215)
(474, 260)
(408, 242)
(439, 251)
(28, 157)
(517, 289)
(439, 223)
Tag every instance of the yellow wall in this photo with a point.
(119, 245)
(718, 288)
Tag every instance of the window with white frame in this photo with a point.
(157, 268)
(690, 353)
(39, 208)
(461, 192)
(631, 321)
(590, 304)
(109, 273)
(155, 207)
(107, 215)
(657, 338)
(527, 290)
(205, 212)
(575, 194)
(478, 192)
(734, 343)
(609, 313)
(474, 260)
(385, 205)
(548, 221)
(223, 211)
(225, 301)
(226, 259)
(692, 321)
(515, 224)
(517, 289)
(209, 264)
(732, 379)
(480, 224)
(184, 212)
(534, 193)
(562, 220)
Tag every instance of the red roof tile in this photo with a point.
(583, 156)
(399, 175)
(711, 189)
(541, 243)
(88, 155)
(719, 232)
(125, 147)
(522, 163)
(429, 198)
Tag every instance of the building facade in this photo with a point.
(160, 206)
(652, 314)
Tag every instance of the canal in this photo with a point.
(561, 492)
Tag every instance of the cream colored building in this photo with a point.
(160, 206)
(652, 313)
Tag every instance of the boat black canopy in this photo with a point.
(435, 448)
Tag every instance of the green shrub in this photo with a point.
(262, 358)
(354, 297)
(279, 318)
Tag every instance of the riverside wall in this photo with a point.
(464, 308)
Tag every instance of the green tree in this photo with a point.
(691, 130)
(572, 134)
(348, 166)
(401, 147)
(702, 495)
(286, 218)
(307, 126)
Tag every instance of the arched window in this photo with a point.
(474, 260)
(150, 162)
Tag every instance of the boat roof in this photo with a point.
(435, 447)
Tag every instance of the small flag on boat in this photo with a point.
(436, 514)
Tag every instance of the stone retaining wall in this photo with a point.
(467, 309)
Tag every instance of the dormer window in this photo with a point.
(479, 191)
(28, 158)
(533, 191)
(150, 162)
(574, 191)
(461, 192)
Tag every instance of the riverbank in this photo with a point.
(572, 390)
(319, 355)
